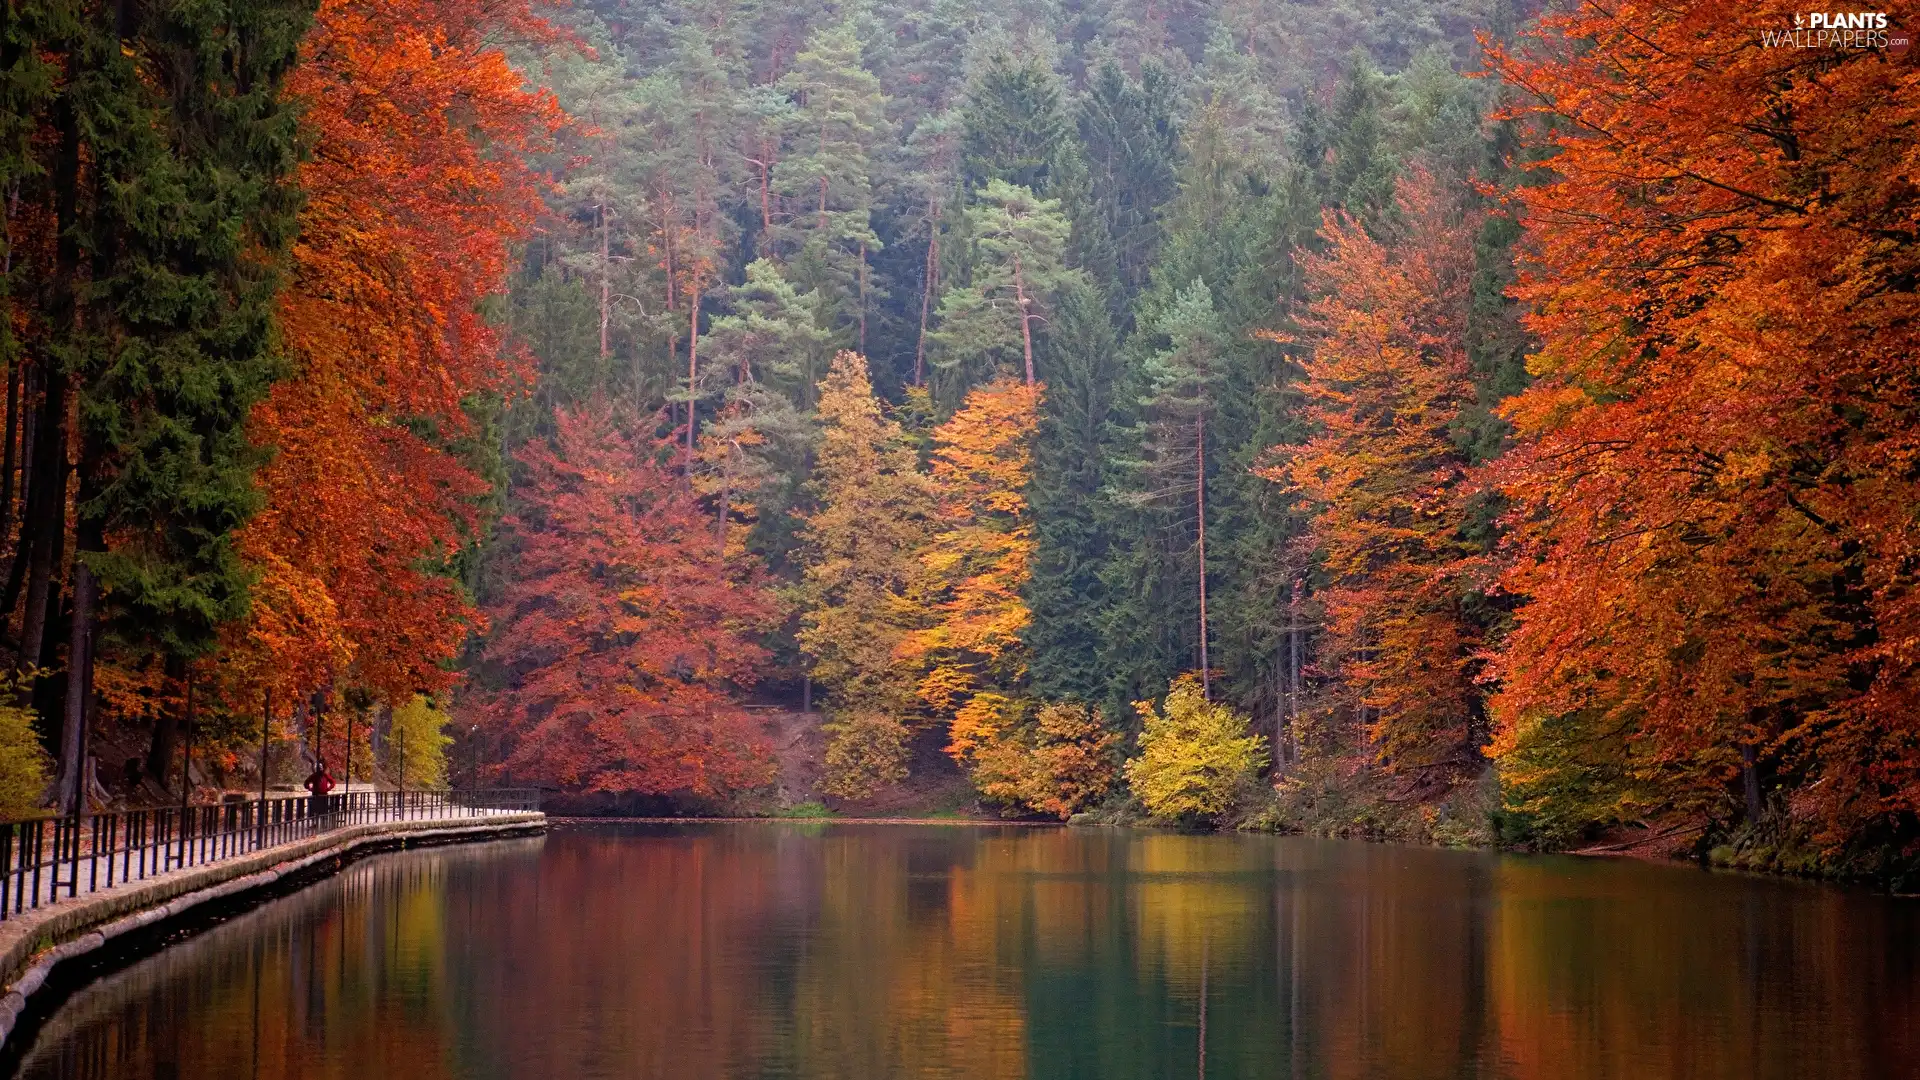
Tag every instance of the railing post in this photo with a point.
(39, 845)
(20, 868)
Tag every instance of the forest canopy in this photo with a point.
(1467, 420)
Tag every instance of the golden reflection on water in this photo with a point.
(866, 952)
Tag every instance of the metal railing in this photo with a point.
(45, 859)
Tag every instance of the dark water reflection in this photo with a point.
(869, 952)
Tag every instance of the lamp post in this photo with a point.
(266, 723)
(399, 742)
(186, 772)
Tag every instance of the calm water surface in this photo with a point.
(870, 952)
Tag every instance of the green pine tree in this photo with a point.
(1015, 125)
(771, 336)
(1071, 520)
(1019, 267)
(190, 218)
(1130, 139)
(825, 181)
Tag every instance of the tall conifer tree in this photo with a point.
(186, 225)
(1071, 515)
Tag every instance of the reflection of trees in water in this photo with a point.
(884, 952)
(294, 988)
(852, 952)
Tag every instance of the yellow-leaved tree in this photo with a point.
(25, 766)
(860, 548)
(1196, 758)
(969, 657)
(417, 744)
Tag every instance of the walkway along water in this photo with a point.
(69, 885)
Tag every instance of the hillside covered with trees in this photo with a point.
(1461, 421)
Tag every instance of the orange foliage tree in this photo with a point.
(1054, 758)
(978, 561)
(416, 190)
(623, 629)
(1713, 498)
(1384, 384)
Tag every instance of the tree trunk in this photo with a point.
(1750, 781)
(23, 540)
(1280, 758)
(1026, 321)
(766, 179)
(1293, 673)
(693, 367)
(29, 430)
(46, 518)
(48, 522)
(7, 456)
(266, 744)
(166, 733)
(186, 750)
(313, 710)
(863, 298)
(77, 707)
(666, 236)
(673, 339)
(726, 496)
(926, 290)
(606, 287)
(1200, 499)
(73, 743)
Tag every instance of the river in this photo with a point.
(865, 952)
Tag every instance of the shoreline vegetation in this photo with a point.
(1676, 845)
(1475, 422)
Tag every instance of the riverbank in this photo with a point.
(1365, 804)
(36, 944)
(1341, 800)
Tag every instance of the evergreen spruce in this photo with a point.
(1015, 125)
(1065, 594)
(186, 222)
(1131, 142)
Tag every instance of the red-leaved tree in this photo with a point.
(1713, 493)
(416, 190)
(622, 633)
(1384, 478)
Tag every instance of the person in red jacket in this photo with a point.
(319, 783)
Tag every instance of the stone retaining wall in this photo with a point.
(34, 942)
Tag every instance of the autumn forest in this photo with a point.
(1480, 422)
